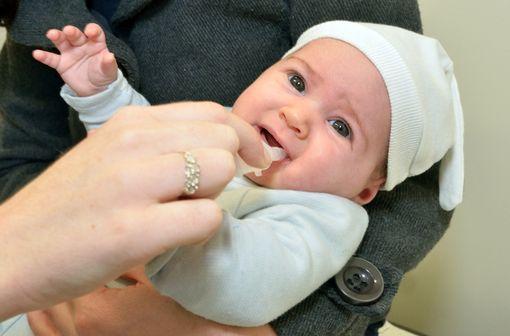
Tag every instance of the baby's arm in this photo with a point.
(84, 63)
(268, 259)
(95, 110)
(95, 87)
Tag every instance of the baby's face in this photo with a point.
(327, 106)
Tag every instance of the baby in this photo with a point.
(354, 107)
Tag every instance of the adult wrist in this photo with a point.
(12, 294)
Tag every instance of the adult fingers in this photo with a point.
(137, 275)
(41, 324)
(162, 177)
(164, 226)
(179, 223)
(63, 319)
(250, 146)
(57, 320)
(160, 138)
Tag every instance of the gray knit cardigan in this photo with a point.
(174, 50)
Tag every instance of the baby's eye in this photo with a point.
(341, 127)
(297, 82)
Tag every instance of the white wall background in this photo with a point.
(462, 287)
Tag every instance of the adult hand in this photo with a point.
(134, 310)
(110, 203)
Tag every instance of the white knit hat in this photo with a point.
(426, 113)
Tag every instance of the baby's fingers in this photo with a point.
(74, 36)
(108, 65)
(59, 39)
(48, 58)
(94, 32)
(103, 69)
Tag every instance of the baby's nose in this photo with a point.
(297, 120)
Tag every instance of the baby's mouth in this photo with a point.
(271, 141)
(276, 150)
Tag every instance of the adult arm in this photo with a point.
(131, 311)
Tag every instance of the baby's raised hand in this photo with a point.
(84, 63)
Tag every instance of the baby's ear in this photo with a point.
(370, 191)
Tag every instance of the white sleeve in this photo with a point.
(95, 110)
(256, 268)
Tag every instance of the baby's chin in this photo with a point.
(278, 177)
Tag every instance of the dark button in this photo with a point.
(360, 282)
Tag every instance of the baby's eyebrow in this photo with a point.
(316, 76)
(347, 107)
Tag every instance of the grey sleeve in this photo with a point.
(34, 127)
(306, 13)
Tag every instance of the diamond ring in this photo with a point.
(191, 173)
